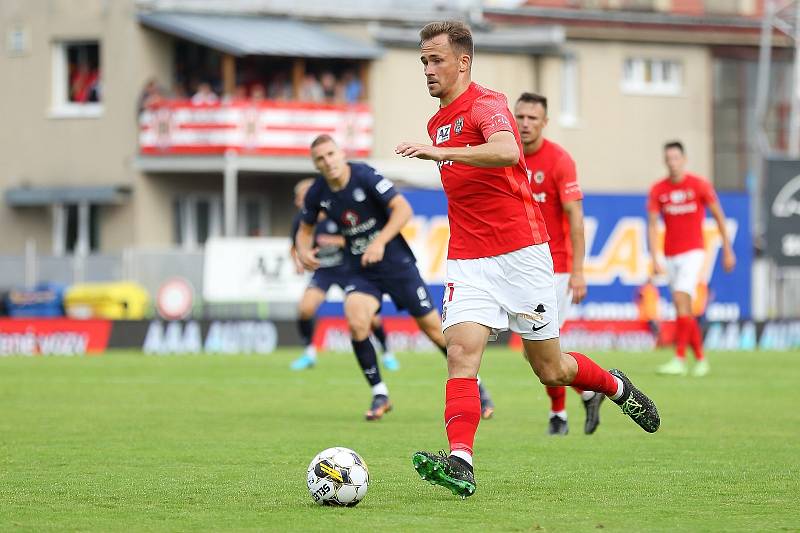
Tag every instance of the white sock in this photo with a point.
(461, 454)
(587, 395)
(560, 414)
(310, 351)
(380, 389)
(620, 389)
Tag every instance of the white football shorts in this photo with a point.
(563, 296)
(683, 271)
(513, 291)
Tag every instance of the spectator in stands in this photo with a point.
(311, 90)
(280, 88)
(84, 84)
(329, 89)
(352, 87)
(204, 95)
(257, 93)
(152, 95)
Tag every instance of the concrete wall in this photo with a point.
(40, 148)
(617, 141)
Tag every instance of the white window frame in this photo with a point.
(60, 106)
(59, 229)
(568, 115)
(634, 82)
(188, 213)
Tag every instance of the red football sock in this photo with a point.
(558, 398)
(683, 331)
(591, 376)
(462, 413)
(696, 340)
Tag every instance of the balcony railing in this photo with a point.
(249, 128)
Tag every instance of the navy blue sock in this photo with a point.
(367, 360)
(380, 334)
(306, 329)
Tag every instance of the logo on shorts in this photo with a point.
(358, 194)
(459, 125)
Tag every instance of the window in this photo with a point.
(76, 228)
(568, 115)
(197, 217)
(77, 84)
(652, 76)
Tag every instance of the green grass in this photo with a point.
(133, 442)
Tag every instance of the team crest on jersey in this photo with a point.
(358, 194)
(350, 218)
(443, 134)
(538, 177)
(459, 125)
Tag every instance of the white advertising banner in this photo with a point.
(251, 269)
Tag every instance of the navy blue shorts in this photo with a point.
(407, 290)
(323, 278)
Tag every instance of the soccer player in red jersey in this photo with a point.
(499, 268)
(681, 200)
(554, 184)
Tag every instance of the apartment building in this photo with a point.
(90, 165)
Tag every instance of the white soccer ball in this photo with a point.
(338, 476)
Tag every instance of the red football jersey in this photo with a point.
(491, 210)
(682, 206)
(553, 180)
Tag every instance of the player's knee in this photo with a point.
(552, 375)
(306, 311)
(360, 327)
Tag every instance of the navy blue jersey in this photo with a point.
(329, 254)
(361, 209)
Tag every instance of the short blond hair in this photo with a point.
(321, 139)
(458, 34)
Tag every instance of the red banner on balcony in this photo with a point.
(266, 128)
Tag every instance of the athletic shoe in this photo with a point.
(557, 426)
(636, 404)
(448, 471)
(701, 369)
(304, 362)
(487, 405)
(676, 367)
(592, 406)
(390, 362)
(379, 407)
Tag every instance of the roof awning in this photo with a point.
(44, 196)
(524, 40)
(262, 36)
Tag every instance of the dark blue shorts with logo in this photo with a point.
(406, 288)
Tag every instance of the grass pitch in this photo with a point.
(134, 442)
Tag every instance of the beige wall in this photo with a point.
(39, 149)
(617, 142)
